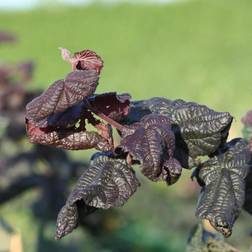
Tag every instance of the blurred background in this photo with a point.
(196, 50)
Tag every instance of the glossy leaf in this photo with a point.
(139, 109)
(68, 218)
(108, 182)
(223, 192)
(67, 118)
(152, 143)
(61, 95)
(204, 130)
(111, 104)
(199, 130)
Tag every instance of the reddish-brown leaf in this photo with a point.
(61, 95)
(70, 138)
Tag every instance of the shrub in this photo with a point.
(162, 136)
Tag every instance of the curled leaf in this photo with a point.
(70, 139)
(67, 220)
(87, 60)
(199, 130)
(69, 216)
(67, 118)
(83, 60)
(61, 95)
(223, 180)
(203, 130)
(108, 182)
(111, 104)
(152, 143)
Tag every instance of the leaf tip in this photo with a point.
(66, 221)
(65, 54)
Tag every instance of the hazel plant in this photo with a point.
(161, 136)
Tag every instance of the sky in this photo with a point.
(28, 4)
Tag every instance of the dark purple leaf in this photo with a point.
(199, 130)
(111, 104)
(223, 180)
(67, 118)
(108, 182)
(139, 109)
(152, 143)
(61, 95)
(202, 129)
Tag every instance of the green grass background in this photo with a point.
(197, 50)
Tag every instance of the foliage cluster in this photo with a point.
(160, 135)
